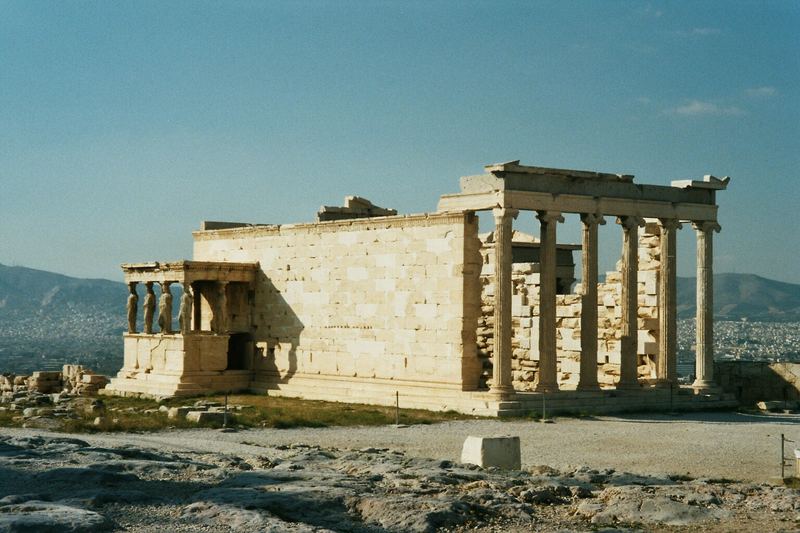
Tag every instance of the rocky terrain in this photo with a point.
(82, 483)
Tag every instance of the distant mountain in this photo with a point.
(748, 296)
(48, 319)
(26, 290)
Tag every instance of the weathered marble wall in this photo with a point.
(392, 298)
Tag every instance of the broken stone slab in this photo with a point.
(179, 413)
(498, 451)
(776, 405)
(797, 463)
(94, 379)
(206, 417)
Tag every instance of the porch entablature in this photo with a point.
(191, 271)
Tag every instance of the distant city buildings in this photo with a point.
(742, 340)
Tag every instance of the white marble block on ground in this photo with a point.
(797, 463)
(501, 452)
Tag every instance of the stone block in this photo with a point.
(499, 451)
(771, 406)
(206, 417)
(179, 412)
(797, 463)
(94, 379)
(46, 376)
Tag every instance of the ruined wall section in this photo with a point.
(755, 381)
(389, 298)
(609, 317)
(525, 320)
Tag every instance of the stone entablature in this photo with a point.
(190, 271)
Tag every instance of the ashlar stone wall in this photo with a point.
(389, 298)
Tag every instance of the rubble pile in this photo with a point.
(73, 379)
(43, 399)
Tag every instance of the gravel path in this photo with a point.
(729, 445)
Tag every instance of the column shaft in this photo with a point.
(704, 355)
(628, 373)
(197, 308)
(548, 359)
(219, 321)
(667, 364)
(588, 362)
(501, 357)
(132, 306)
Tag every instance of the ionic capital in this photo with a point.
(501, 214)
(589, 219)
(706, 226)
(630, 222)
(669, 224)
(547, 217)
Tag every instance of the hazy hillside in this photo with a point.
(744, 296)
(28, 290)
(48, 319)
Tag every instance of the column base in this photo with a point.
(628, 385)
(704, 386)
(547, 387)
(665, 384)
(505, 392)
(592, 387)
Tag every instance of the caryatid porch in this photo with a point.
(508, 188)
(210, 347)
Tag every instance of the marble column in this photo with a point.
(165, 309)
(704, 355)
(628, 374)
(548, 361)
(588, 362)
(501, 357)
(133, 306)
(149, 307)
(185, 310)
(667, 364)
(197, 307)
(219, 319)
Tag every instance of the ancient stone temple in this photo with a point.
(364, 304)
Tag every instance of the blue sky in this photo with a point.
(124, 124)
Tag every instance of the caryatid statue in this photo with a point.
(149, 307)
(185, 310)
(165, 309)
(133, 305)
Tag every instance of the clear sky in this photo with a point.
(124, 124)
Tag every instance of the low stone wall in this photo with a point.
(753, 381)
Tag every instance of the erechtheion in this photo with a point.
(364, 304)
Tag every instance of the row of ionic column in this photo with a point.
(667, 355)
